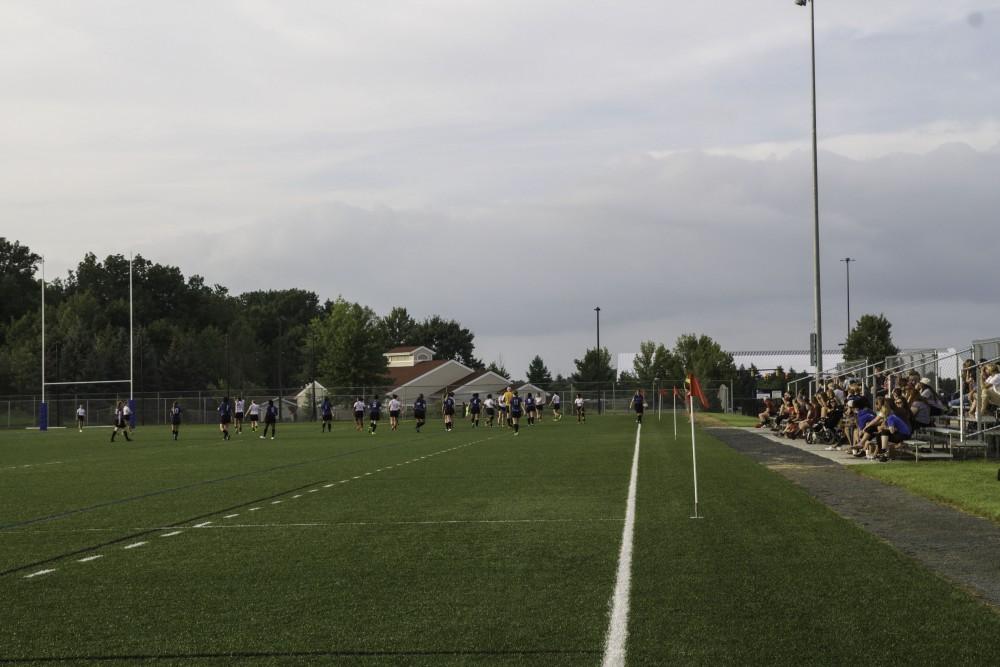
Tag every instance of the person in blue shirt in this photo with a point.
(327, 411)
(225, 417)
(270, 420)
(175, 419)
(516, 410)
(529, 408)
(374, 413)
(448, 407)
(420, 411)
(638, 404)
(475, 408)
(896, 429)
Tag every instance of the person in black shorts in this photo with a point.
(638, 403)
(475, 408)
(238, 417)
(225, 417)
(326, 409)
(420, 411)
(516, 409)
(270, 420)
(374, 413)
(448, 407)
(175, 419)
(121, 424)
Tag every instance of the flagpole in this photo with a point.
(694, 460)
(675, 413)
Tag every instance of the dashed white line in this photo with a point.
(344, 481)
(313, 490)
(89, 558)
(253, 509)
(203, 524)
(275, 502)
(176, 532)
(327, 486)
(356, 477)
(297, 495)
(38, 574)
(134, 545)
(231, 516)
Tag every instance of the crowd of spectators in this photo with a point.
(847, 419)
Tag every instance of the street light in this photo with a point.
(847, 262)
(598, 311)
(816, 289)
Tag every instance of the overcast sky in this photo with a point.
(515, 164)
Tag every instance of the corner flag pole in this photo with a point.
(675, 413)
(694, 461)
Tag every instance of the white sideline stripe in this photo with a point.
(89, 558)
(38, 574)
(176, 532)
(134, 545)
(231, 516)
(202, 525)
(614, 647)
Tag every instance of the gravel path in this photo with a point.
(959, 546)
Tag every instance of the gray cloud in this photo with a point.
(513, 165)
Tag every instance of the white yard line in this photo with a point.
(171, 534)
(39, 573)
(134, 545)
(231, 516)
(614, 647)
(203, 524)
(89, 558)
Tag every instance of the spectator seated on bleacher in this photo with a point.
(989, 392)
(869, 424)
(895, 430)
(919, 414)
(770, 412)
(931, 398)
(969, 379)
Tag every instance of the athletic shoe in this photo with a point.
(272, 437)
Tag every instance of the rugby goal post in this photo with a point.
(43, 407)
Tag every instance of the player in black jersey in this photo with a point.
(448, 407)
(420, 411)
(516, 409)
(475, 408)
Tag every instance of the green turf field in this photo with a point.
(470, 547)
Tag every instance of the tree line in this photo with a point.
(193, 336)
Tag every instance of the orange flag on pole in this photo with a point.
(695, 389)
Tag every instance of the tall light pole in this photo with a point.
(847, 262)
(816, 289)
(598, 311)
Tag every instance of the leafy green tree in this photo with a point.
(398, 328)
(538, 374)
(655, 361)
(498, 368)
(704, 357)
(448, 339)
(349, 346)
(870, 339)
(594, 367)
(21, 293)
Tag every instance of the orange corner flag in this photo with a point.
(696, 390)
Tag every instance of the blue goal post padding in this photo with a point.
(43, 416)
